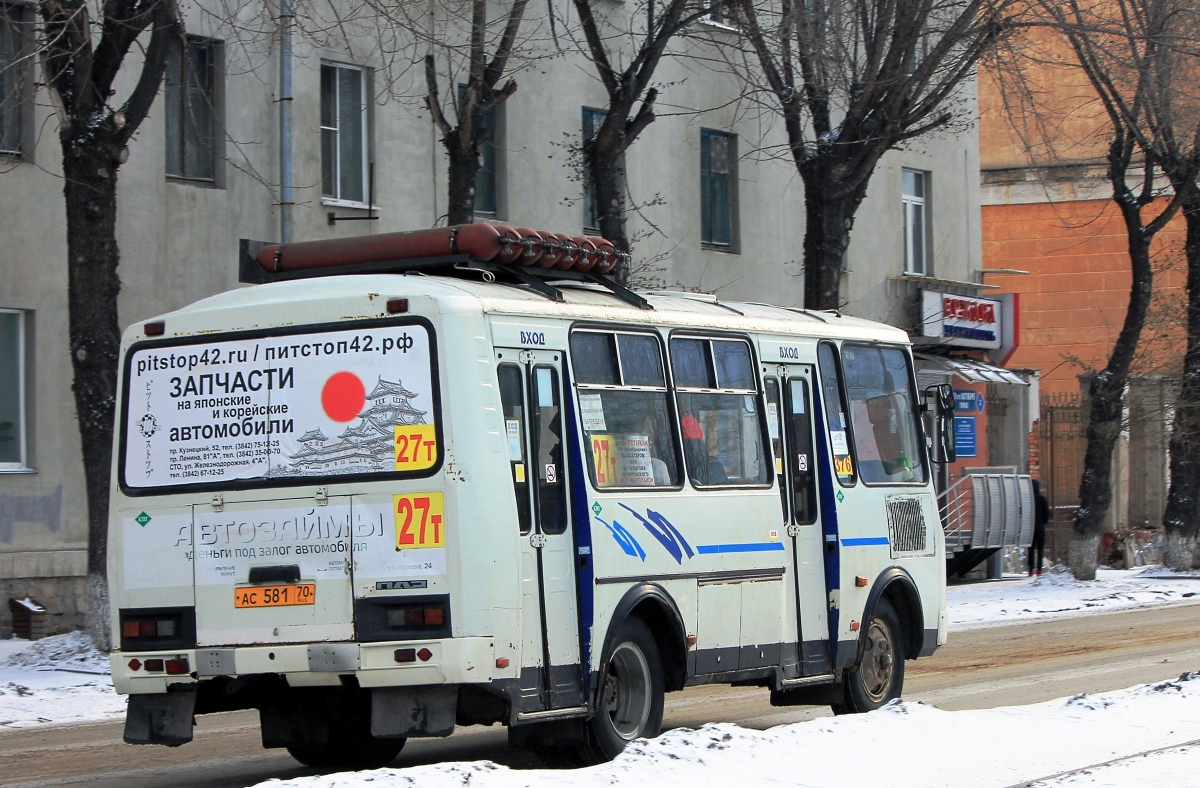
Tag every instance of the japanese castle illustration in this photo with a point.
(364, 447)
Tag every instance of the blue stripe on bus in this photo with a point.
(865, 540)
(581, 528)
(748, 547)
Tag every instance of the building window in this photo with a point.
(191, 110)
(11, 80)
(593, 119)
(916, 248)
(343, 133)
(486, 180)
(12, 390)
(716, 188)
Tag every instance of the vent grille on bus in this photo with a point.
(906, 525)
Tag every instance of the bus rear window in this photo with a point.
(261, 409)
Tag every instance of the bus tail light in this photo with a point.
(424, 617)
(162, 628)
(177, 667)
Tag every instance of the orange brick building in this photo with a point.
(1047, 210)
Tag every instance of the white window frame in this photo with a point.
(337, 200)
(21, 466)
(916, 220)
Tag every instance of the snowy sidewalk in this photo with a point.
(1057, 594)
(62, 679)
(904, 745)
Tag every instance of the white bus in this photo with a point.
(374, 506)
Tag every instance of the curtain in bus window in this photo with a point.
(514, 424)
(594, 359)
(882, 414)
(804, 477)
(835, 415)
(550, 475)
(775, 434)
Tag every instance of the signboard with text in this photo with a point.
(325, 403)
(965, 321)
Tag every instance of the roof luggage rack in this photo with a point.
(534, 260)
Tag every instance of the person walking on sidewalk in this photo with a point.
(1041, 516)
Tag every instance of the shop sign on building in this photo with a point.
(965, 321)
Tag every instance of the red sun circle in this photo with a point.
(343, 396)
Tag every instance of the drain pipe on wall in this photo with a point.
(286, 15)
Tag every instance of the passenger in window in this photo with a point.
(659, 468)
(702, 467)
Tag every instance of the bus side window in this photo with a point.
(511, 398)
(835, 415)
(717, 393)
(804, 478)
(548, 451)
(623, 409)
(775, 432)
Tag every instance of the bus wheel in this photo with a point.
(631, 699)
(879, 678)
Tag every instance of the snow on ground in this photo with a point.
(63, 679)
(55, 680)
(1057, 594)
(904, 745)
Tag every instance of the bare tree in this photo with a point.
(853, 79)
(479, 96)
(95, 127)
(631, 96)
(1125, 51)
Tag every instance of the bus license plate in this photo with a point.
(275, 596)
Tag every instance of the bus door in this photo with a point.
(789, 391)
(532, 394)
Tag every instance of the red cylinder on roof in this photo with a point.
(571, 253)
(608, 256)
(554, 250)
(531, 246)
(481, 241)
(588, 254)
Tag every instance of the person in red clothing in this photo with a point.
(702, 468)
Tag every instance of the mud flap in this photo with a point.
(404, 712)
(160, 718)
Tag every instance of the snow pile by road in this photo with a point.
(55, 680)
(1057, 594)
(904, 745)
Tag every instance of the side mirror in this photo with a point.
(945, 449)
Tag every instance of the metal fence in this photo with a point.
(1062, 440)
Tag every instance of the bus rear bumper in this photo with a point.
(469, 660)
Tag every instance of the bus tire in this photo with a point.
(879, 677)
(630, 701)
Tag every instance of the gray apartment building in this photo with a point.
(719, 210)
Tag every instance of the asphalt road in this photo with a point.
(997, 666)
